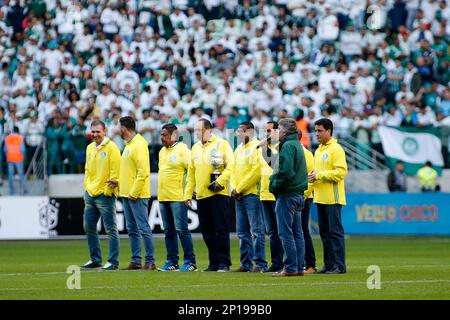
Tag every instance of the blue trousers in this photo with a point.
(288, 209)
(270, 222)
(175, 220)
(310, 255)
(104, 207)
(332, 235)
(250, 230)
(19, 166)
(136, 218)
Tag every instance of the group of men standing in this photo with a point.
(273, 183)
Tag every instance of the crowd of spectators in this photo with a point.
(360, 63)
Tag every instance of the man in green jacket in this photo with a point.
(288, 183)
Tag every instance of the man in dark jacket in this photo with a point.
(288, 183)
(161, 23)
(396, 179)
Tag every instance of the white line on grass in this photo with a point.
(284, 284)
(92, 271)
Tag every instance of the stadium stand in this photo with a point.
(360, 63)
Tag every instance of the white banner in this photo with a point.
(412, 147)
(26, 217)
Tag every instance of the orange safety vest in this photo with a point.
(13, 152)
(302, 125)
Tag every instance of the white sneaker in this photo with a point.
(109, 266)
(90, 265)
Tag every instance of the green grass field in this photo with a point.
(411, 268)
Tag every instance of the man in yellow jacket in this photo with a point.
(134, 189)
(310, 255)
(427, 178)
(173, 164)
(100, 184)
(330, 169)
(212, 197)
(249, 215)
(269, 147)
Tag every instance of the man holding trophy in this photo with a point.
(209, 170)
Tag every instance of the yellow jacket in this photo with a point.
(266, 172)
(200, 168)
(427, 177)
(247, 168)
(101, 166)
(135, 169)
(309, 167)
(173, 165)
(331, 168)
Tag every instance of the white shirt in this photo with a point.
(53, 60)
(328, 28)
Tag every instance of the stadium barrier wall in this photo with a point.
(397, 214)
(23, 218)
(364, 214)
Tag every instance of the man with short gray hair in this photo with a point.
(288, 183)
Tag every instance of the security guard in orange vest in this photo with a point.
(15, 156)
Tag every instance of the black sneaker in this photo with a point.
(223, 268)
(91, 265)
(210, 268)
(273, 269)
(336, 271)
(323, 271)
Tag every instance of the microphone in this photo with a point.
(268, 142)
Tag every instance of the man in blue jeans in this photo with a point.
(15, 156)
(245, 178)
(101, 169)
(288, 183)
(173, 163)
(134, 188)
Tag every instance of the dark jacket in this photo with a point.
(394, 184)
(167, 25)
(291, 176)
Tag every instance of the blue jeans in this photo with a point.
(288, 210)
(175, 222)
(250, 230)
(136, 218)
(20, 170)
(105, 207)
(270, 222)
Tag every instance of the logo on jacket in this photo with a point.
(103, 154)
(173, 158)
(325, 156)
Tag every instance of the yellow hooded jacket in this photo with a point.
(135, 169)
(101, 166)
(247, 168)
(173, 165)
(331, 168)
(200, 168)
(309, 167)
(266, 172)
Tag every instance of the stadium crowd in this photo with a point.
(360, 63)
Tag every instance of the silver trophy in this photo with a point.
(216, 162)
